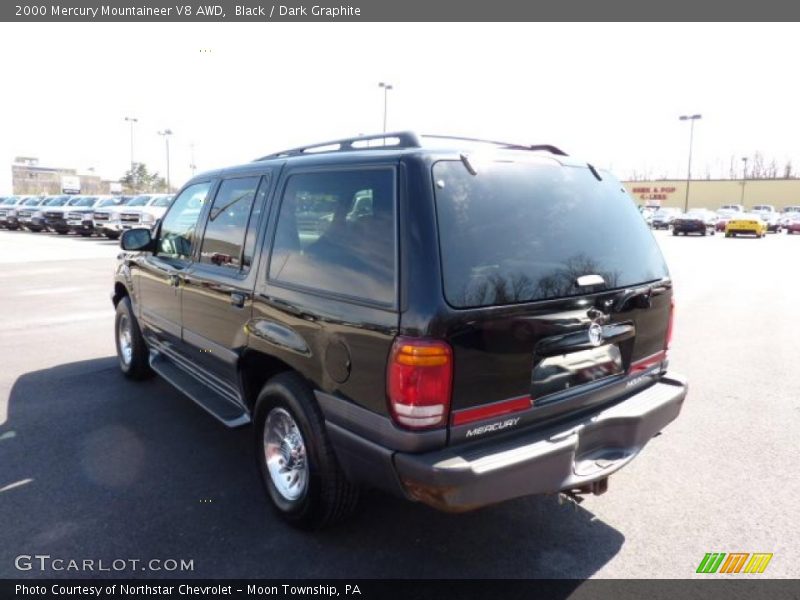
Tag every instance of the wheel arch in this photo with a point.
(255, 369)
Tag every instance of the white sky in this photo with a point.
(608, 93)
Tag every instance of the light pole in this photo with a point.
(744, 178)
(166, 133)
(386, 87)
(132, 121)
(192, 166)
(691, 119)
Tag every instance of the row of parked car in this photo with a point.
(100, 215)
(732, 219)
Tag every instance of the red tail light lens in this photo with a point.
(668, 339)
(419, 380)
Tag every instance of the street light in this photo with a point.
(166, 133)
(132, 121)
(744, 178)
(192, 166)
(691, 119)
(386, 87)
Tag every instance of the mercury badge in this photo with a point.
(595, 334)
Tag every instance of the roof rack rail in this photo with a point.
(405, 139)
(507, 145)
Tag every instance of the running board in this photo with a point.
(230, 414)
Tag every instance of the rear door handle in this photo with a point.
(238, 299)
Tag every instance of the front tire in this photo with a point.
(113, 236)
(132, 352)
(301, 476)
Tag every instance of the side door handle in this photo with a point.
(238, 299)
(174, 280)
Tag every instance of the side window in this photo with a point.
(227, 223)
(336, 233)
(178, 227)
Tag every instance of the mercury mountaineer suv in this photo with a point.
(455, 321)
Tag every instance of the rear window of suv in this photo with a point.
(525, 231)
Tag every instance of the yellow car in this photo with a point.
(746, 224)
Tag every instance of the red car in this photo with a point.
(793, 224)
(723, 216)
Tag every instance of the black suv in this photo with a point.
(456, 321)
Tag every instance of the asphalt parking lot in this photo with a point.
(95, 467)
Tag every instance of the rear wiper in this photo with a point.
(468, 165)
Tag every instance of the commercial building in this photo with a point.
(28, 177)
(713, 193)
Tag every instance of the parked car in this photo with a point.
(80, 217)
(8, 212)
(11, 217)
(518, 347)
(697, 220)
(141, 211)
(26, 208)
(746, 224)
(786, 215)
(38, 222)
(793, 224)
(663, 217)
(56, 217)
(647, 213)
(723, 216)
(733, 207)
(769, 215)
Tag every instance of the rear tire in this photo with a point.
(112, 236)
(674, 232)
(301, 475)
(132, 352)
(61, 232)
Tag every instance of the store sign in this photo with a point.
(653, 195)
(70, 184)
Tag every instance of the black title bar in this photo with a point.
(400, 10)
(713, 588)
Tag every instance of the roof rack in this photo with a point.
(398, 139)
(507, 145)
(404, 139)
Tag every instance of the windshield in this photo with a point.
(8, 201)
(85, 201)
(519, 232)
(163, 202)
(60, 201)
(139, 201)
(108, 202)
(32, 202)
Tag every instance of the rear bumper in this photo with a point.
(690, 227)
(571, 456)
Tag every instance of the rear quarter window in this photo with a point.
(525, 231)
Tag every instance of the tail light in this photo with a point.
(668, 338)
(419, 380)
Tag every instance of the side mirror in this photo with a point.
(136, 240)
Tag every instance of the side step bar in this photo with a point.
(230, 414)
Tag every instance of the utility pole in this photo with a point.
(132, 121)
(744, 178)
(691, 119)
(192, 166)
(166, 133)
(386, 87)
